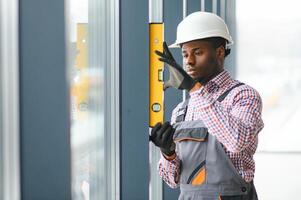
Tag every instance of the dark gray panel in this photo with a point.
(230, 62)
(218, 7)
(172, 16)
(193, 6)
(45, 149)
(208, 5)
(134, 100)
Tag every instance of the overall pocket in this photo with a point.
(191, 143)
(198, 175)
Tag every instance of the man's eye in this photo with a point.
(197, 52)
(185, 55)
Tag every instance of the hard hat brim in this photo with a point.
(174, 45)
(177, 45)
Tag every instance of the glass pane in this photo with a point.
(268, 58)
(86, 78)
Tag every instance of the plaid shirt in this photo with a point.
(235, 122)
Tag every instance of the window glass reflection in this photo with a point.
(87, 104)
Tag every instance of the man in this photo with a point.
(208, 147)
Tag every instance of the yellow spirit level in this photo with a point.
(156, 93)
(156, 67)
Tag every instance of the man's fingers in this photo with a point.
(167, 134)
(165, 47)
(155, 130)
(157, 127)
(166, 50)
(165, 60)
(162, 130)
(170, 139)
(159, 53)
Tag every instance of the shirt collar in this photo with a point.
(218, 82)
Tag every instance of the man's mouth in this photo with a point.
(191, 72)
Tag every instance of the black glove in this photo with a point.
(178, 78)
(162, 136)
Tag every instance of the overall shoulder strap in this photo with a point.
(223, 96)
(181, 113)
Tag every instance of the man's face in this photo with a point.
(202, 61)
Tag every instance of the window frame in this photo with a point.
(9, 89)
(105, 16)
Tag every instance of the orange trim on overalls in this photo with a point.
(191, 139)
(200, 178)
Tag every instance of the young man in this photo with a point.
(208, 147)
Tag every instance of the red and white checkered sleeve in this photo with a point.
(235, 127)
(169, 170)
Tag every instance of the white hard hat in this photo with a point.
(201, 25)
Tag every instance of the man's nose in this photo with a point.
(190, 60)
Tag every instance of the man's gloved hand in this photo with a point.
(178, 78)
(162, 136)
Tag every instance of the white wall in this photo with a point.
(277, 176)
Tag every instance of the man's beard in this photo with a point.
(213, 73)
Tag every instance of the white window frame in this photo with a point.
(9, 99)
(107, 33)
(112, 100)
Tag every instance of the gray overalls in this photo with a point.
(206, 172)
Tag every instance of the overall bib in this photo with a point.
(206, 171)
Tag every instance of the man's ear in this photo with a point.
(220, 52)
(220, 55)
